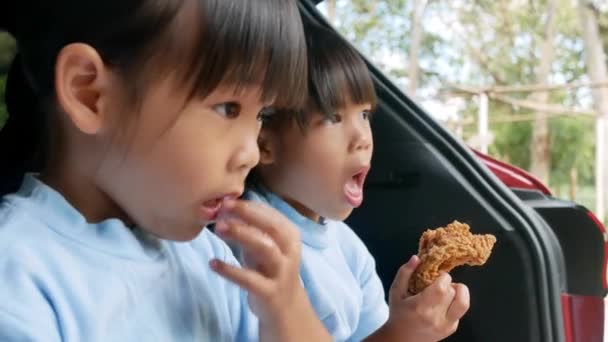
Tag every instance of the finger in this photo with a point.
(461, 303)
(250, 281)
(399, 287)
(265, 219)
(440, 293)
(259, 246)
(451, 329)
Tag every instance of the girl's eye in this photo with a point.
(332, 118)
(366, 114)
(230, 110)
(266, 114)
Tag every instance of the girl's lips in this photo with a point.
(209, 210)
(353, 189)
(353, 193)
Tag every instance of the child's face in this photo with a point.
(320, 171)
(178, 161)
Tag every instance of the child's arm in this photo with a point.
(272, 250)
(429, 316)
(25, 311)
(13, 328)
(374, 310)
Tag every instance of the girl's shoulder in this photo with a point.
(352, 247)
(19, 229)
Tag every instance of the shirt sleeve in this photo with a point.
(25, 314)
(16, 329)
(374, 309)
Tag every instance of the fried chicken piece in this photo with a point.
(442, 249)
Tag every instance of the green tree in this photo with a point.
(489, 43)
(7, 52)
(3, 112)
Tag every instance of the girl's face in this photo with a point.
(164, 164)
(178, 161)
(320, 171)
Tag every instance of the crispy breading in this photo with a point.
(443, 249)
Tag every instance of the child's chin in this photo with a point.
(342, 214)
(185, 235)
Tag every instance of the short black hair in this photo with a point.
(337, 76)
(205, 43)
(209, 42)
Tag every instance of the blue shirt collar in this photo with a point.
(111, 236)
(313, 234)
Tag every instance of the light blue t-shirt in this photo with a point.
(338, 272)
(62, 279)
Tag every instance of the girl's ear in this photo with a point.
(80, 85)
(267, 142)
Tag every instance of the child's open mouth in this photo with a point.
(210, 209)
(353, 189)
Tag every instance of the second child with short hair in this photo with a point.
(312, 168)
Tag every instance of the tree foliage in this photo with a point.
(7, 51)
(487, 43)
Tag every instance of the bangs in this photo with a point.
(242, 43)
(205, 43)
(338, 75)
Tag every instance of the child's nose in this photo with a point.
(361, 139)
(247, 156)
(362, 143)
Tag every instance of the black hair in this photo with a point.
(205, 42)
(337, 76)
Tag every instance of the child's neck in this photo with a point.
(84, 196)
(298, 206)
(302, 209)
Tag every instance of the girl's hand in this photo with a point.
(429, 316)
(270, 274)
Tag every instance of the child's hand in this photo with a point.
(431, 315)
(272, 250)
